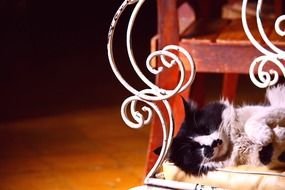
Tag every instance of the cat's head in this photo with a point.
(201, 140)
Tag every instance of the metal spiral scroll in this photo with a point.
(130, 112)
(274, 54)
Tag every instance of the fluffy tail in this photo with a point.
(276, 95)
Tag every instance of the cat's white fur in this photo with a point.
(251, 127)
(221, 149)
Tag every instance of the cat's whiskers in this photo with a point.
(205, 160)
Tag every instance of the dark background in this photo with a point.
(53, 55)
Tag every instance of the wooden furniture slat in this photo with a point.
(207, 54)
(204, 30)
(234, 32)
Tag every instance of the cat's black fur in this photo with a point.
(203, 121)
(186, 153)
(220, 135)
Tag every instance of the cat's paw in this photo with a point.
(259, 133)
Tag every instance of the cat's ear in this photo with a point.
(157, 150)
(189, 109)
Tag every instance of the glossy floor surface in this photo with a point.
(87, 148)
(77, 151)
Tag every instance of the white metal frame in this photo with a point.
(271, 54)
(150, 96)
(154, 94)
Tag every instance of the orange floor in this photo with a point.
(80, 150)
(85, 150)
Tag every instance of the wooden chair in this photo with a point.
(216, 45)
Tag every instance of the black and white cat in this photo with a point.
(220, 135)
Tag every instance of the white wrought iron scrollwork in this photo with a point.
(275, 55)
(167, 129)
(131, 115)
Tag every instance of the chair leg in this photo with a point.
(230, 83)
(156, 131)
(198, 89)
(197, 93)
(155, 140)
(178, 109)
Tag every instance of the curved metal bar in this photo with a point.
(248, 33)
(110, 46)
(167, 140)
(163, 93)
(190, 62)
(167, 130)
(129, 45)
(279, 53)
(149, 96)
(166, 51)
(265, 77)
(277, 25)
